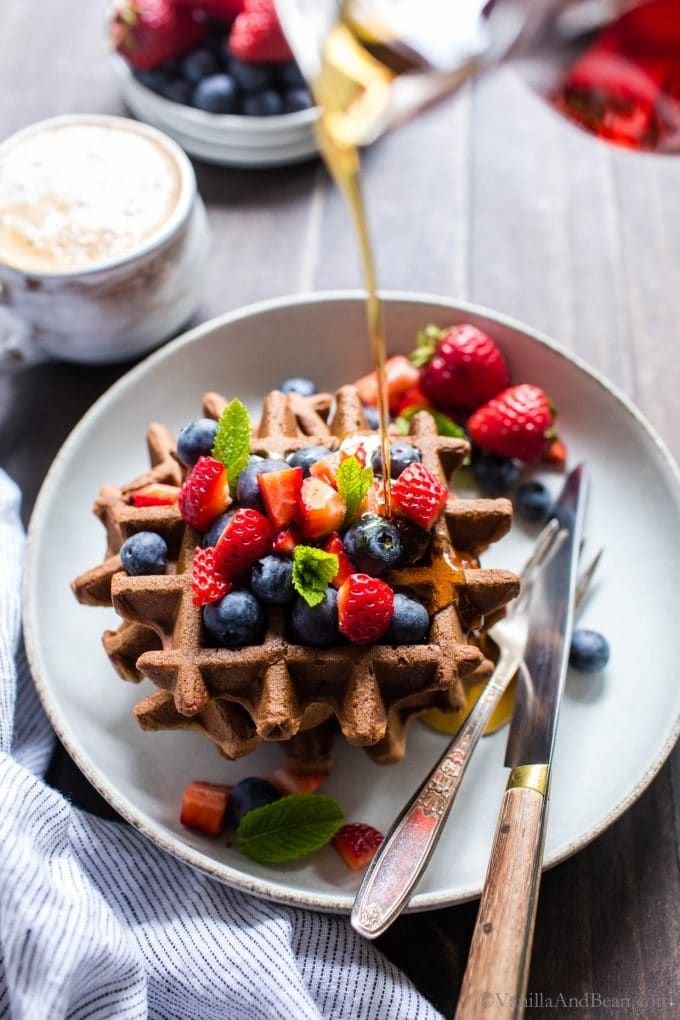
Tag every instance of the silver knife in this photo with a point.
(495, 980)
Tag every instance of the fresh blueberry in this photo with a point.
(372, 417)
(250, 77)
(196, 440)
(409, 624)
(297, 99)
(249, 794)
(177, 90)
(316, 625)
(298, 384)
(198, 65)
(533, 501)
(373, 544)
(144, 553)
(262, 104)
(213, 533)
(255, 458)
(589, 651)
(307, 456)
(271, 580)
(401, 455)
(248, 488)
(153, 79)
(415, 541)
(236, 620)
(494, 475)
(216, 94)
(290, 76)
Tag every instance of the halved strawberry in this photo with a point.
(156, 494)
(246, 538)
(345, 567)
(365, 607)
(280, 493)
(286, 540)
(321, 509)
(207, 584)
(204, 806)
(289, 782)
(357, 844)
(400, 374)
(419, 495)
(205, 493)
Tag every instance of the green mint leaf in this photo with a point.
(289, 828)
(232, 441)
(353, 482)
(313, 571)
(426, 342)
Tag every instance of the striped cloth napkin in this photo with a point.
(95, 922)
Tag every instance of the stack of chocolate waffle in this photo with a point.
(279, 690)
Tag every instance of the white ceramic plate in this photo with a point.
(222, 138)
(616, 729)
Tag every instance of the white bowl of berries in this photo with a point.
(217, 76)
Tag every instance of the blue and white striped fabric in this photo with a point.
(95, 922)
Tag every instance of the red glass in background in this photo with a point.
(625, 87)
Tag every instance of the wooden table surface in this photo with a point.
(489, 198)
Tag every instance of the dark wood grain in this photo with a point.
(488, 198)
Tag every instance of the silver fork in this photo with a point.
(408, 846)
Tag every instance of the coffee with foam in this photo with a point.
(78, 195)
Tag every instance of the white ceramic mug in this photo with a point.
(116, 308)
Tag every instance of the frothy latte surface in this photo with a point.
(76, 195)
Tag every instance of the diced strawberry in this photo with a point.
(357, 844)
(556, 454)
(518, 423)
(246, 538)
(257, 36)
(419, 495)
(327, 468)
(206, 584)
(204, 806)
(205, 493)
(321, 509)
(400, 374)
(156, 494)
(289, 782)
(365, 607)
(345, 567)
(281, 493)
(286, 540)
(413, 397)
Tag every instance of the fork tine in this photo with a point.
(584, 579)
(541, 549)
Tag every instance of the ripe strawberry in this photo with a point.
(156, 494)
(357, 844)
(289, 782)
(280, 494)
(257, 36)
(246, 538)
(419, 495)
(149, 32)
(345, 566)
(400, 374)
(461, 367)
(205, 493)
(321, 509)
(518, 423)
(365, 606)
(222, 10)
(204, 806)
(286, 540)
(206, 584)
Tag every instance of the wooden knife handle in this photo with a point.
(497, 971)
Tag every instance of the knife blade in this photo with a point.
(495, 980)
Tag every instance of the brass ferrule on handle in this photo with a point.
(531, 777)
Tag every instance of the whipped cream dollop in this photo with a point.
(75, 195)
